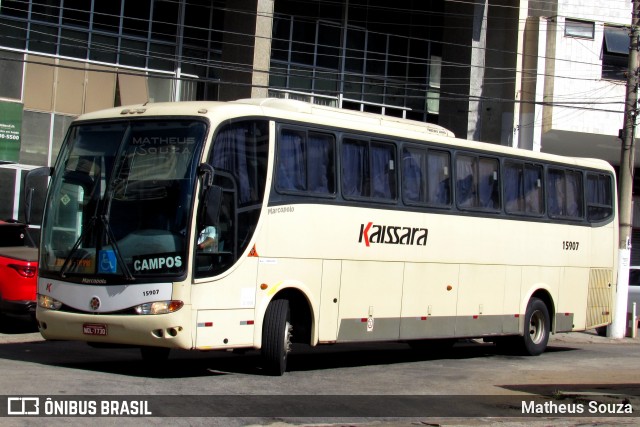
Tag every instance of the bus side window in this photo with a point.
(513, 187)
(574, 194)
(355, 168)
(555, 192)
(383, 181)
(599, 197)
(564, 188)
(523, 188)
(439, 178)
(533, 190)
(488, 183)
(321, 163)
(412, 175)
(465, 185)
(306, 162)
(291, 161)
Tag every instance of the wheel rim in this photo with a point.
(287, 340)
(537, 327)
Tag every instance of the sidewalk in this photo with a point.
(590, 336)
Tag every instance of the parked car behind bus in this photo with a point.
(18, 270)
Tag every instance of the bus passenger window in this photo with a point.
(523, 188)
(439, 179)
(599, 197)
(488, 184)
(533, 203)
(291, 161)
(321, 163)
(477, 183)
(465, 185)
(564, 189)
(368, 169)
(305, 162)
(383, 182)
(412, 175)
(355, 168)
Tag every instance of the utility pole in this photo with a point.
(619, 325)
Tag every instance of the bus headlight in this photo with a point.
(158, 307)
(45, 301)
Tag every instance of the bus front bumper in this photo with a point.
(162, 330)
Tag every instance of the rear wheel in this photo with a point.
(537, 327)
(276, 337)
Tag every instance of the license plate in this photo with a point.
(94, 329)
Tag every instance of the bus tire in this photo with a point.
(537, 327)
(154, 354)
(276, 337)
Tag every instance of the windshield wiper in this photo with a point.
(104, 218)
(74, 249)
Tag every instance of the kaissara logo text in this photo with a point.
(392, 235)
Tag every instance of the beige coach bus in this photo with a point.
(258, 223)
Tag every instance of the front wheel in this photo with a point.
(537, 327)
(276, 337)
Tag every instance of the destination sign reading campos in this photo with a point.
(155, 262)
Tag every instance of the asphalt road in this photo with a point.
(224, 388)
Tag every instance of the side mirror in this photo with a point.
(33, 180)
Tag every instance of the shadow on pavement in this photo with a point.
(13, 325)
(185, 364)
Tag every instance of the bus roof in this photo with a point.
(328, 116)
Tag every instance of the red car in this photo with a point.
(18, 271)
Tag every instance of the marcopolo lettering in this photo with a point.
(392, 235)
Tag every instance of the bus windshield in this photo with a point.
(120, 200)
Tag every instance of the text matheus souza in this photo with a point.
(593, 407)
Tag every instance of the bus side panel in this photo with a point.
(604, 239)
(429, 298)
(225, 308)
(329, 299)
(572, 299)
(535, 278)
(512, 289)
(370, 299)
(280, 274)
(235, 290)
(480, 300)
(218, 329)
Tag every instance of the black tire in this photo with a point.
(537, 327)
(155, 354)
(276, 337)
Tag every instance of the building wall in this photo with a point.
(573, 107)
(578, 76)
(410, 60)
